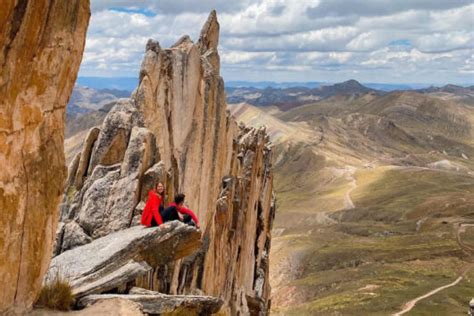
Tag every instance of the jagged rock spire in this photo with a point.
(224, 170)
(209, 38)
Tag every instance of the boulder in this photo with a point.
(124, 194)
(107, 185)
(41, 46)
(157, 303)
(113, 138)
(95, 196)
(83, 164)
(121, 257)
(73, 236)
(107, 281)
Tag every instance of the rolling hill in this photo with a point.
(369, 215)
(452, 92)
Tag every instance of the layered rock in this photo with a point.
(157, 304)
(105, 180)
(41, 46)
(176, 129)
(114, 260)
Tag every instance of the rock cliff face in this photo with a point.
(41, 46)
(176, 129)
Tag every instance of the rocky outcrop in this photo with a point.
(113, 307)
(176, 129)
(105, 184)
(157, 303)
(41, 46)
(119, 258)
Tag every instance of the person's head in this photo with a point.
(179, 199)
(160, 188)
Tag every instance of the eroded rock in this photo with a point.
(41, 46)
(73, 236)
(121, 257)
(157, 303)
(112, 140)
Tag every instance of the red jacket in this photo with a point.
(151, 209)
(187, 211)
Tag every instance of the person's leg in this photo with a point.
(188, 220)
(170, 214)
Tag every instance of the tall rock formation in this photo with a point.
(176, 129)
(41, 46)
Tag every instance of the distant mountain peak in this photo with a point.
(347, 87)
(352, 82)
(450, 85)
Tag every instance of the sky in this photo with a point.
(379, 41)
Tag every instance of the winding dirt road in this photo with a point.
(468, 249)
(410, 304)
(348, 204)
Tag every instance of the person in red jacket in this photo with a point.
(154, 206)
(177, 211)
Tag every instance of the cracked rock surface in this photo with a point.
(41, 46)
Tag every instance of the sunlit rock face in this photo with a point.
(41, 46)
(225, 170)
(176, 128)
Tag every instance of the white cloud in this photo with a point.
(446, 41)
(297, 40)
(363, 42)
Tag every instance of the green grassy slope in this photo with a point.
(368, 214)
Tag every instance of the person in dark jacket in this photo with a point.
(177, 211)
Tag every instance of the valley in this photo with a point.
(372, 190)
(275, 158)
(368, 217)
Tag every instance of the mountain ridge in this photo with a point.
(371, 210)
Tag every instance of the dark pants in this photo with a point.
(153, 221)
(171, 214)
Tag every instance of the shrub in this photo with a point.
(56, 294)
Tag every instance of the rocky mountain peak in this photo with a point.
(351, 86)
(209, 38)
(176, 129)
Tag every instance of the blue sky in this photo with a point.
(402, 41)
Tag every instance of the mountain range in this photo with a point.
(129, 83)
(375, 197)
(375, 194)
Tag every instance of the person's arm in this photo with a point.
(187, 211)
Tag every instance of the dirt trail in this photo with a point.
(410, 304)
(470, 250)
(348, 204)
